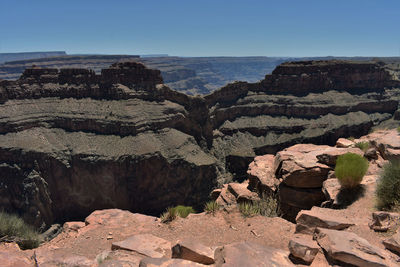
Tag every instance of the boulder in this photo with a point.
(215, 193)
(298, 166)
(348, 248)
(250, 254)
(164, 262)
(193, 251)
(308, 220)
(242, 194)
(145, 244)
(387, 142)
(393, 243)
(320, 260)
(383, 221)
(226, 199)
(73, 226)
(344, 143)
(261, 175)
(331, 189)
(329, 156)
(11, 256)
(303, 248)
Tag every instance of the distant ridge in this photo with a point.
(29, 55)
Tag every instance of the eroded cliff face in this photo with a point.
(72, 141)
(300, 102)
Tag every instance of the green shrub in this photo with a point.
(173, 212)
(14, 228)
(350, 169)
(398, 129)
(351, 138)
(183, 211)
(388, 188)
(363, 146)
(211, 207)
(267, 206)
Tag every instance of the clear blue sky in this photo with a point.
(203, 27)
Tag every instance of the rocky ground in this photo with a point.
(346, 231)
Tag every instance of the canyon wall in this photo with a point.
(73, 141)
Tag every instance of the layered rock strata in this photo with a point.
(72, 141)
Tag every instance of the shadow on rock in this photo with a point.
(348, 196)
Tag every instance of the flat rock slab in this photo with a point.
(308, 220)
(349, 248)
(250, 254)
(303, 248)
(61, 258)
(145, 244)
(193, 251)
(393, 243)
(163, 262)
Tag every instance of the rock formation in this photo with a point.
(73, 141)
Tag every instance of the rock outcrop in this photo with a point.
(123, 139)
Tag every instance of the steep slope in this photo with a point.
(72, 141)
(300, 102)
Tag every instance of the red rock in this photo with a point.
(304, 248)
(163, 262)
(329, 156)
(344, 142)
(387, 142)
(240, 191)
(393, 243)
(145, 244)
(308, 220)
(226, 198)
(298, 166)
(383, 221)
(193, 251)
(11, 256)
(349, 248)
(250, 254)
(261, 175)
(73, 226)
(59, 257)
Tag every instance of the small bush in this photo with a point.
(398, 129)
(350, 169)
(388, 188)
(267, 206)
(211, 207)
(363, 146)
(183, 211)
(173, 212)
(351, 138)
(13, 228)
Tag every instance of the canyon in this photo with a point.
(73, 141)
